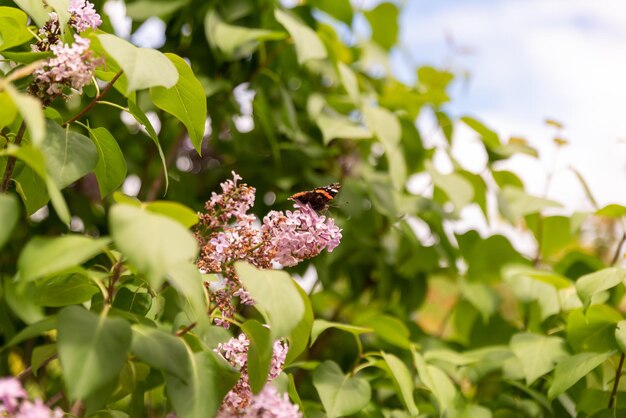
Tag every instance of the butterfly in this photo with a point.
(319, 197)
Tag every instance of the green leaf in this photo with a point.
(482, 297)
(141, 117)
(144, 9)
(41, 355)
(349, 81)
(339, 9)
(13, 28)
(235, 41)
(200, 394)
(321, 325)
(458, 189)
(338, 127)
(8, 110)
(111, 167)
(591, 284)
(620, 335)
(276, 296)
(143, 67)
(383, 20)
(9, 213)
(515, 203)
(402, 380)
(593, 330)
(60, 7)
(488, 269)
(132, 301)
(35, 9)
(64, 290)
(308, 44)
(32, 330)
(489, 137)
(537, 354)
(185, 100)
(20, 298)
(612, 211)
(387, 128)
(92, 350)
(31, 110)
(187, 280)
(260, 353)
(161, 350)
(69, 155)
(341, 395)
(44, 256)
(155, 244)
(574, 368)
(27, 57)
(436, 381)
(388, 328)
(299, 337)
(173, 210)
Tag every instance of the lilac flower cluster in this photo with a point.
(300, 234)
(240, 401)
(72, 65)
(14, 402)
(227, 233)
(83, 15)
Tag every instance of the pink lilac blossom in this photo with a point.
(72, 66)
(271, 404)
(227, 233)
(300, 234)
(38, 409)
(83, 15)
(240, 402)
(11, 391)
(13, 402)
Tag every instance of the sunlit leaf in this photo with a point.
(275, 295)
(341, 395)
(574, 368)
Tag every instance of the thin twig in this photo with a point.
(87, 108)
(185, 330)
(170, 157)
(29, 370)
(8, 171)
(618, 374)
(618, 250)
(117, 271)
(77, 408)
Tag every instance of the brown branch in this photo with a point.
(185, 330)
(29, 370)
(618, 374)
(95, 100)
(77, 408)
(117, 271)
(8, 171)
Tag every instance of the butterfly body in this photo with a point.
(319, 197)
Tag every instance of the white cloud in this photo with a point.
(532, 60)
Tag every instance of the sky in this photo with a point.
(527, 61)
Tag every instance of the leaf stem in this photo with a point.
(618, 374)
(185, 330)
(96, 99)
(115, 275)
(618, 250)
(8, 171)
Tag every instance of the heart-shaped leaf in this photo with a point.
(341, 395)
